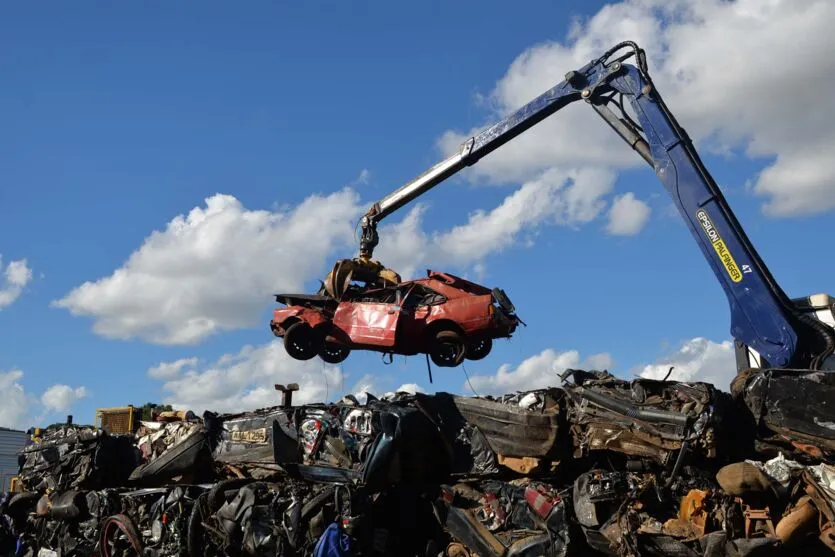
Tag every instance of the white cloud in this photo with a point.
(744, 74)
(698, 359)
(365, 384)
(15, 278)
(168, 370)
(215, 269)
(59, 398)
(600, 362)
(627, 216)
(410, 388)
(539, 371)
(21, 409)
(15, 407)
(246, 380)
(566, 198)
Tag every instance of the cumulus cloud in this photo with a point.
(627, 215)
(698, 359)
(410, 388)
(20, 408)
(15, 407)
(167, 370)
(215, 269)
(246, 379)
(602, 361)
(16, 276)
(703, 57)
(59, 398)
(366, 384)
(556, 197)
(536, 372)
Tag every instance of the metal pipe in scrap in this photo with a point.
(631, 411)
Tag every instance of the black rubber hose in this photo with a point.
(827, 336)
(679, 462)
(633, 412)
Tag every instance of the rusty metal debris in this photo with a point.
(597, 466)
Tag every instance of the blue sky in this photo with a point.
(117, 118)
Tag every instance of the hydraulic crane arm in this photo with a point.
(762, 316)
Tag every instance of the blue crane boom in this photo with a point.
(763, 317)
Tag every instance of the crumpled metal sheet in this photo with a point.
(245, 440)
(177, 452)
(77, 457)
(447, 476)
(485, 436)
(495, 518)
(628, 514)
(651, 419)
(780, 401)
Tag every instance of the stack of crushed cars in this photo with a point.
(598, 466)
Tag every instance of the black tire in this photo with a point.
(195, 544)
(27, 498)
(110, 531)
(333, 353)
(447, 348)
(198, 543)
(479, 349)
(300, 341)
(217, 494)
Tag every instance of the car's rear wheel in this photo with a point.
(333, 353)
(479, 349)
(300, 341)
(447, 348)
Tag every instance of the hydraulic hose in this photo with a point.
(631, 411)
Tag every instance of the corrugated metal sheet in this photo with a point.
(11, 442)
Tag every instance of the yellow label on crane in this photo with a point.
(719, 245)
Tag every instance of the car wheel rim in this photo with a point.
(302, 347)
(301, 343)
(448, 352)
(333, 353)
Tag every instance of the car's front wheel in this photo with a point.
(333, 353)
(447, 348)
(300, 341)
(479, 349)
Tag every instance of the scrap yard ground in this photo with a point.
(599, 466)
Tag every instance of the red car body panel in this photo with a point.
(313, 317)
(373, 320)
(366, 323)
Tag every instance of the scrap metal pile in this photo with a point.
(598, 466)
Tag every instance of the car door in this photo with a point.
(371, 320)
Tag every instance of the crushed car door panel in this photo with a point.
(368, 322)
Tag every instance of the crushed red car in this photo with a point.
(447, 317)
